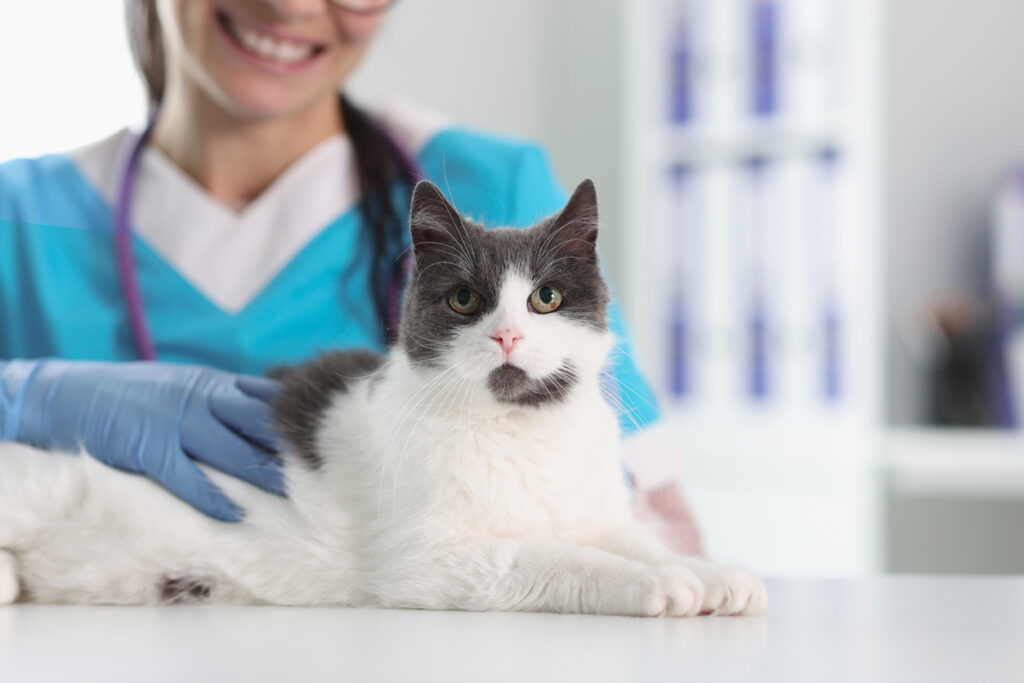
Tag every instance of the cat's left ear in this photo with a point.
(574, 229)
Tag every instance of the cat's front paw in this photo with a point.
(731, 591)
(748, 596)
(672, 591)
(684, 591)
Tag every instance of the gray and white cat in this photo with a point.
(476, 466)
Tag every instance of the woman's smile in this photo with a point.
(268, 48)
(262, 60)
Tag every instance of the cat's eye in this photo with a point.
(545, 299)
(464, 300)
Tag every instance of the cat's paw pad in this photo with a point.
(8, 578)
(684, 591)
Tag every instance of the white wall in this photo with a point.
(66, 76)
(542, 69)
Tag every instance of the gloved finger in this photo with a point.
(216, 445)
(182, 477)
(250, 417)
(262, 388)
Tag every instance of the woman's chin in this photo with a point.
(249, 100)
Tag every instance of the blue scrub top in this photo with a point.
(60, 294)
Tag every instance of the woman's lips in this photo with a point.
(268, 48)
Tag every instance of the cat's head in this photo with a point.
(520, 314)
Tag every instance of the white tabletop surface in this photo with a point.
(886, 629)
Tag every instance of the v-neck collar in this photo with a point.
(232, 256)
(328, 150)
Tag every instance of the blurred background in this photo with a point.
(813, 214)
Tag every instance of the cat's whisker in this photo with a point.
(551, 267)
(394, 476)
(417, 395)
(454, 265)
(421, 393)
(615, 401)
(545, 245)
(611, 375)
(461, 235)
(638, 396)
(456, 218)
(443, 245)
(431, 344)
(398, 469)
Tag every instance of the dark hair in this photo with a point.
(379, 161)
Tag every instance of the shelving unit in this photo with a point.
(778, 452)
(955, 463)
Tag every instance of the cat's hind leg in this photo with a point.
(9, 587)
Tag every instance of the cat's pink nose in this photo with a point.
(507, 339)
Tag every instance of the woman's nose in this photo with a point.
(297, 9)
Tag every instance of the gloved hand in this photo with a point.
(149, 418)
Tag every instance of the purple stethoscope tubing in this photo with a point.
(123, 247)
(128, 274)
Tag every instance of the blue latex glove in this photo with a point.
(149, 418)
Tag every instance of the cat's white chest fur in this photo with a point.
(425, 471)
(541, 476)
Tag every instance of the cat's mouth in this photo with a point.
(511, 384)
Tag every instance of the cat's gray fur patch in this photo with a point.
(308, 390)
(511, 384)
(183, 590)
(451, 250)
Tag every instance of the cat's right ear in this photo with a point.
(574, 229)
(434, 223)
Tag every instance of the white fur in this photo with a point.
(433, 494)
(8, 578)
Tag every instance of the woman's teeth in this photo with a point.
(269, 47)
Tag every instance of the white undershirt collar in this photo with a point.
(196, 232)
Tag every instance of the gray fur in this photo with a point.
(452, 250)
(183, 590)
(309, 389)
(512, 385)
